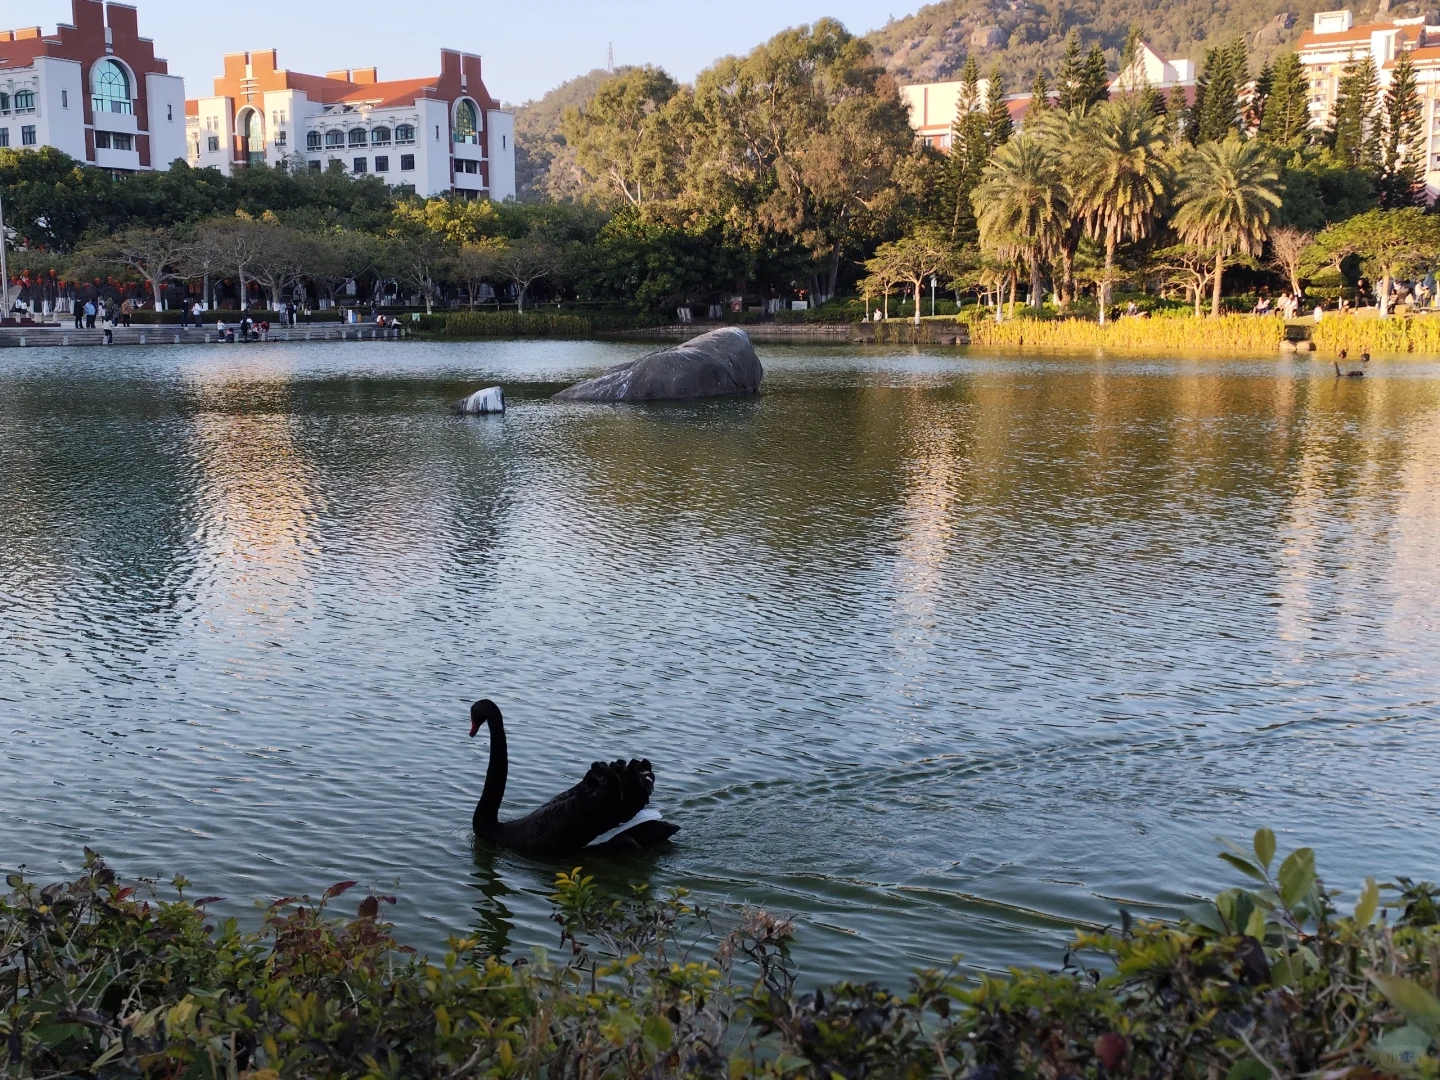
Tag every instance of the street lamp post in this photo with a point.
(932, 296)
(4, 267)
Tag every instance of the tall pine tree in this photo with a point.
(1071, 79)
(1216, 112)
(1179, 121)
(999, 127)
(1352, 127)
(1039, 97)
(1285, 118)
(1402, 151)
(1096, 77)
(969, 150)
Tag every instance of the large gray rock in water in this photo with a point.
(721, 363)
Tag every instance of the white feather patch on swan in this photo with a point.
(650, 813)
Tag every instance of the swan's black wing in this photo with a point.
(611, 793)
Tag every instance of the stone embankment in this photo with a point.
(40, 337)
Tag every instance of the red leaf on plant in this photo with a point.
(128, 891)
(369, 908)
(208, 900)
(388, 899)
(338, 888)
(1110, 1049)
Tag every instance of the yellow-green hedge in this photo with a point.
(1417, 334)
(1228, 333)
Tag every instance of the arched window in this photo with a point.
(405, 133)
(312, 140)
(252, 130)
(467, 128)
(380, 137)
(334, 138)
(25, 101)
(358, 137)
(110, 88)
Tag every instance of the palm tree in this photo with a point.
(1228, 191)
(1020, 204)
(1119, 178)
(1060, 130)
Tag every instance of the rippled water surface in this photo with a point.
(941, 651)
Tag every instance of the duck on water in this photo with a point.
(608, 809)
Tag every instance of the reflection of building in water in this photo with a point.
(259, 506)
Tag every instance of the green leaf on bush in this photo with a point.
(1412, 999)
(1401, 1049)
(1256, 926)
(1368, 902)
(657, 1032)
(1264, 847)
(1249, 1069)
(1245, 866)
(1297, 875)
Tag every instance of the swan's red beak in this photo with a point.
(474, 727)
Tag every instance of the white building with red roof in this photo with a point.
(440, 134)
(1335, 41)
(94, 89)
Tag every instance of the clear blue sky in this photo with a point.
(528, 48)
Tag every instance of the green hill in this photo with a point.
(1021, 35)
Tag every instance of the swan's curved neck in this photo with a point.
(487, 810)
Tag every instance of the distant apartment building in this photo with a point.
(934, 106)
(439, 134)
(93, 89)
(1335, 41)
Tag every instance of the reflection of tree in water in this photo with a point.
(501, 874)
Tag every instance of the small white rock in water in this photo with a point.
(489, 400)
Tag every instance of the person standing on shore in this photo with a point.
(89, 314)
(79, 315)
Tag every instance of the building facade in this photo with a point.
(436, 135)
(93, 89)
(934, 106)
(1335, 41)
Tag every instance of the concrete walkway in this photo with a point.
(12, 337)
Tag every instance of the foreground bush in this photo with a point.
(1173, 333)
(1270, 980)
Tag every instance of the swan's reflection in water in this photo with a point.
(514, 888)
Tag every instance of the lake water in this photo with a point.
(941, 651)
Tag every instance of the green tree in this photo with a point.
(1039, 97)
(1096, 78)
(1022, 204)
(914, 257)
(998, 125)
(1285, 118)
(1390, 243)
(1119, 176)
(625, 137)
(1217, 92)
(1227, 195)
(1070, 80)
(1179, 123)
(1402, 162)
(970, 148)
(1352, 131)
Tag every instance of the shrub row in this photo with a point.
(1400, 334)
(172, 318)
(1171, 333)
(1270, 980)
(480, 324)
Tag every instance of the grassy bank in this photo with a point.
(1414, 334)
(1228, 333)
(1275, 979)
(557, 324)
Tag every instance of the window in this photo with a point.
(114, 140)
(358, 137)
(462, 166)
(280, 137)
(4, 103)
(314, 165)
(359, 165)
(407, 162)
(110, 88)
(437, 132)
(252, 130)
(170, 113)
(503, 144)
(213, 144)
(382, 163)
(25, 101)
(380, 137)
(334, 138)
(466, 128)
(405, 133)
(4, 137)
(27, 134)
(312, 140)
(64, 99)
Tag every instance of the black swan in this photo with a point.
(1347, 374)
(606, 809)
